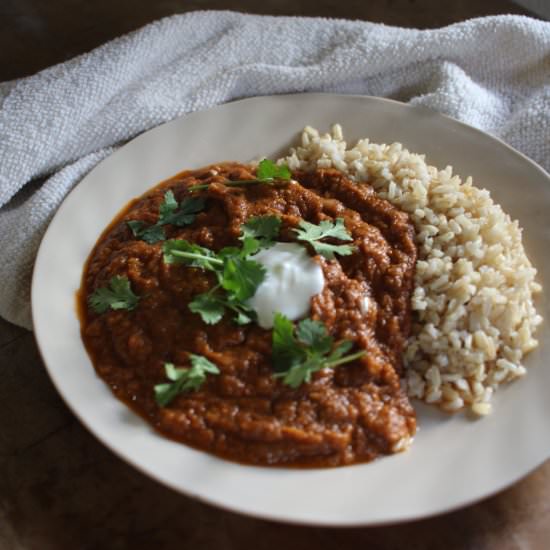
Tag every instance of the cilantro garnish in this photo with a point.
(149, 233)
(184, 380)
(261, 228)
(238, 279)
(209, 306)
(180, 251)
(182, 214)
(267, 173)
(241, 277)
(300, 351)
(170, 212)
(212, 305)
(312, 234)
(238, 275)
(118, 295)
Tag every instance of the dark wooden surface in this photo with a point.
(59, 488)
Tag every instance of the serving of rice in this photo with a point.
(473, 312)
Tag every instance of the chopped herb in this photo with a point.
(169, 205)
(267, 173)
(241, 277)
(312, 234)
(184, 379)
(238, 275)
(149, 233)
(180, 251)
(299, 352)
(180, 215)
(170, 212)
(251, 245)
(209, 306)
(286, 350)
(314, 335)
(263, 229)
(118, 295)
(244, 315)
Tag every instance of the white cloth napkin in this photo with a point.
(493, 73)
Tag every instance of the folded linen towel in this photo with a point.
(493, 73)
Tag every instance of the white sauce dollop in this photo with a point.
(292, 279)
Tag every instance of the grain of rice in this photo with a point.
(473, 312)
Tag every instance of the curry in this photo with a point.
(352, 413)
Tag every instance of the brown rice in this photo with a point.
(473, 313)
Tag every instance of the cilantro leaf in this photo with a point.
(180, 251)
(149, 233)
(242, 277)
(340, 350)
(312, 234)
(238, 277)
(251, 246)
(329, 250)
(230, 252)
(180, 215)
(243, 318)
(118, 295)
(169, 213)
(184, 379)
(263, 229)
(298, 353)
(243, 313)
(268, 171)
(301, 372)
(168, 206)
(326, 228)
(209, 307)
(286, 351)
(314, 335)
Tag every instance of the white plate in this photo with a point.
(453, 461)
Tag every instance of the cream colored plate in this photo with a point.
(453, 461)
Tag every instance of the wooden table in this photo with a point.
(60, 489)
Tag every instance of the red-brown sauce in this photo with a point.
(352, 413)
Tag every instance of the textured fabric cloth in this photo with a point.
(493, 73)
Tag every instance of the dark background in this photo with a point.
(59, 488)
(37, 33)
